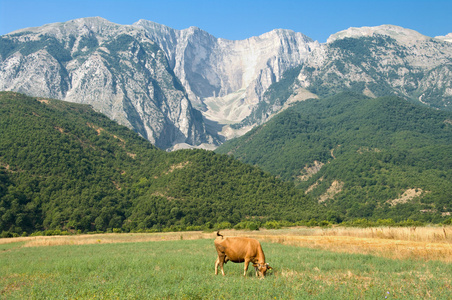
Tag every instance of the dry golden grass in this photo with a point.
(107, 238)
(428, 243)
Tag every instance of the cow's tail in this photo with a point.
(218, 234)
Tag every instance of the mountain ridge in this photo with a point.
(188, 87)
(398, 33)
(115, 68)
(193, 52)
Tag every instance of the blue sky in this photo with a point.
(236, 20)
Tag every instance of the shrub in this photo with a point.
(312, 223)
(385, 222)
(448, 221)
(6, 234)
(325, 223)
(208, 225)
(358, 223)
(250, 225)
(37, 233)
(194, 228)
(272, 225)
(223, 225)
(410, 222)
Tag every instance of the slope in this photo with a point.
(381, 61)
(361, 157)
(64, 166)
(117, 69)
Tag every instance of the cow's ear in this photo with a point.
(256, 265)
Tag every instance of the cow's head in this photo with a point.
(262, 268)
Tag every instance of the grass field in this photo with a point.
(181, 266)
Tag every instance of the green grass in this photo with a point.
(10, 246)
(185, 270)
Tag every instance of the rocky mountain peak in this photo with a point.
(446, 38)
(62, 29)
(400, 34)
(227, 78)
(382, 60)
(286, 33)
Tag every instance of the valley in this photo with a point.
(105, 127)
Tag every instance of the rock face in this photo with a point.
(375, 61)
(147, 76)
(446, 38)
(188, 87)
(227, 79)
(116, 69)
(382, 60)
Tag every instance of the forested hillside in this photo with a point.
(64, 166)
(361, 157)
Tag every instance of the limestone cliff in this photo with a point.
(189, 88)
(117, 69)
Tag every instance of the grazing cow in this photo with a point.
(238, 250)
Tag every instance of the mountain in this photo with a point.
(64, 166)
(148, 76)
(116, 69)
(361, 157)
(383, 60)
(447, 38)
(187, 88)
(374, 61)
(224, 78)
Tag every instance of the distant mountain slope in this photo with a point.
(64, 166)
(359, 156)
(117, 69)
(148, 76)
(374, 61)
(226, 77)
(187, 88)
(380, 61)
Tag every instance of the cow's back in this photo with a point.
(238, 248)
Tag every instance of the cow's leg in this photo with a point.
(221, 266)
(247, 261)
(219, 262)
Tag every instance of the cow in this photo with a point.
(238, 250)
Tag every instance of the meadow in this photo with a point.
(308, 264)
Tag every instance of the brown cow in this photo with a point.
(238, 250)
